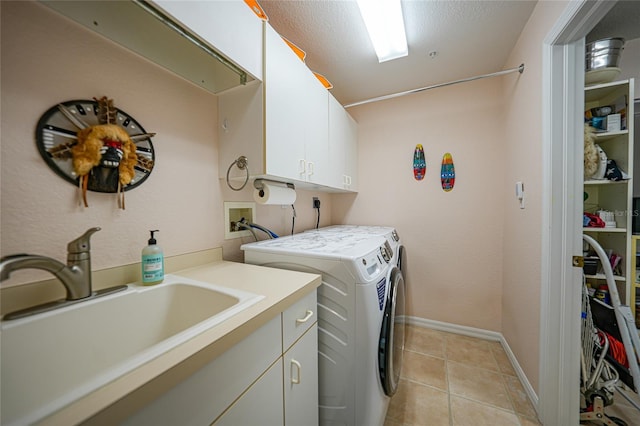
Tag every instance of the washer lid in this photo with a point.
(332, 245)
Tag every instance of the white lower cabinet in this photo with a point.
(205, 395)
(268, 378)
(301, 381)
(260, 405)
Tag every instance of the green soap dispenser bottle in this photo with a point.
(152, 262)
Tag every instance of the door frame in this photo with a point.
(563, 104)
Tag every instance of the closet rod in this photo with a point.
(520, 69)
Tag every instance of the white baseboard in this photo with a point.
(480, 334)
(456, 329)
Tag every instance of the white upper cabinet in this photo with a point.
(296, 115)
(229, 26)
(283, 127)
(343, 147)
(180, 36)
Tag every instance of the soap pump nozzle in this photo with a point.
(152, 240)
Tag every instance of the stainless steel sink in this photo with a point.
(52, 359)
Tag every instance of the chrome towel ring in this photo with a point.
(243, 164)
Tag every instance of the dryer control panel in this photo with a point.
(374, 263)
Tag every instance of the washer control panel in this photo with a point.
(371, 264)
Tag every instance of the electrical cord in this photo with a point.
(316, 205)
(293, 219)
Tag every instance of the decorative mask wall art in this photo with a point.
(95, 146)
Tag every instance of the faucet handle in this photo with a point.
(81, 244)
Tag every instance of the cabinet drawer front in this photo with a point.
(298, 319)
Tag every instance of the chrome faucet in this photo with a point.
(75, 275)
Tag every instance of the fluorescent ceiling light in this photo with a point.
(385, 25)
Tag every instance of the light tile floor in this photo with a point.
(453, 380)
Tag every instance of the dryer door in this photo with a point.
(391, 345)
(402, 259)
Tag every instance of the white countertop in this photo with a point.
(281, 289)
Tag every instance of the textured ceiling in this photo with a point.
(470, 37)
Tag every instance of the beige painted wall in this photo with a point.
(523, 162)
(453, 240)
(47, 59)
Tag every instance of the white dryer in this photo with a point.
(388, 232)
(359, 343)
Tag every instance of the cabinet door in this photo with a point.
(301, 380)
(260, 405)
(296, 115)
(228, 26)
(343, 147)
(351, 158)
(285, 103)
(317, 132)
(203, 396)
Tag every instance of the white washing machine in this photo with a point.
(359, 342)
(398, 258)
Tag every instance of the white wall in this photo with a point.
(630, 68)
(47, 59)
(630, 63)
